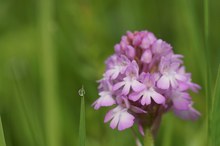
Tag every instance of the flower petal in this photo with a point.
(158, 98)
(190, 114)
(115, 121)
(108, 116)
(183, 86)
(105, 99)
(180, 102)
(115, 75)
(147, 56)
(130, 52)
(135, 96)
(126, 89)
(118, 85)
(112, 113)
(180, 77)
(137, 86)
(163, 82)
(136, 40)
(173, 82)
(194, 87)
(146, 99)
(126, 121)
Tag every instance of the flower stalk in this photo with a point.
(148, 138)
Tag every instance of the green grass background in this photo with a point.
(50, 48)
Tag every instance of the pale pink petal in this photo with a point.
(112, 113)
(194, 87)
(180, 77)
(130, 35)
(158, 98)
(126, 121)
(126, 89)
(137, 86)
(136, 40)
(107, 101)
(115, 121)
(183, 86)
(130, 52)
(146, 99)
(163, 82)
(109, 72)
(96, 105)
(194, 114)
(147, 56)
(115, 75)
(190, 114)
(109, 116)
(118, 85)
(147, 41)
(117, 48)
(135, 96)
(181, 103)
(173, 82)
(174, 66)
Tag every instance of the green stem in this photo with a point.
(148, 139)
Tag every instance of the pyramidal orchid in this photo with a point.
(143, 80)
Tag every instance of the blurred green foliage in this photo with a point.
(50, 48)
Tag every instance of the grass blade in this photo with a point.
(208, 70)
(82, 125)
(215, 118)
(49, 75)
(2, 138)
(21, 102)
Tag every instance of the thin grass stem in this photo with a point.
(82, 124)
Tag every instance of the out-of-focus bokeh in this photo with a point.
(50, 48)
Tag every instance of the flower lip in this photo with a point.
(119, 118)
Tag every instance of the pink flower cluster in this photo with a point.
(144, 79)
